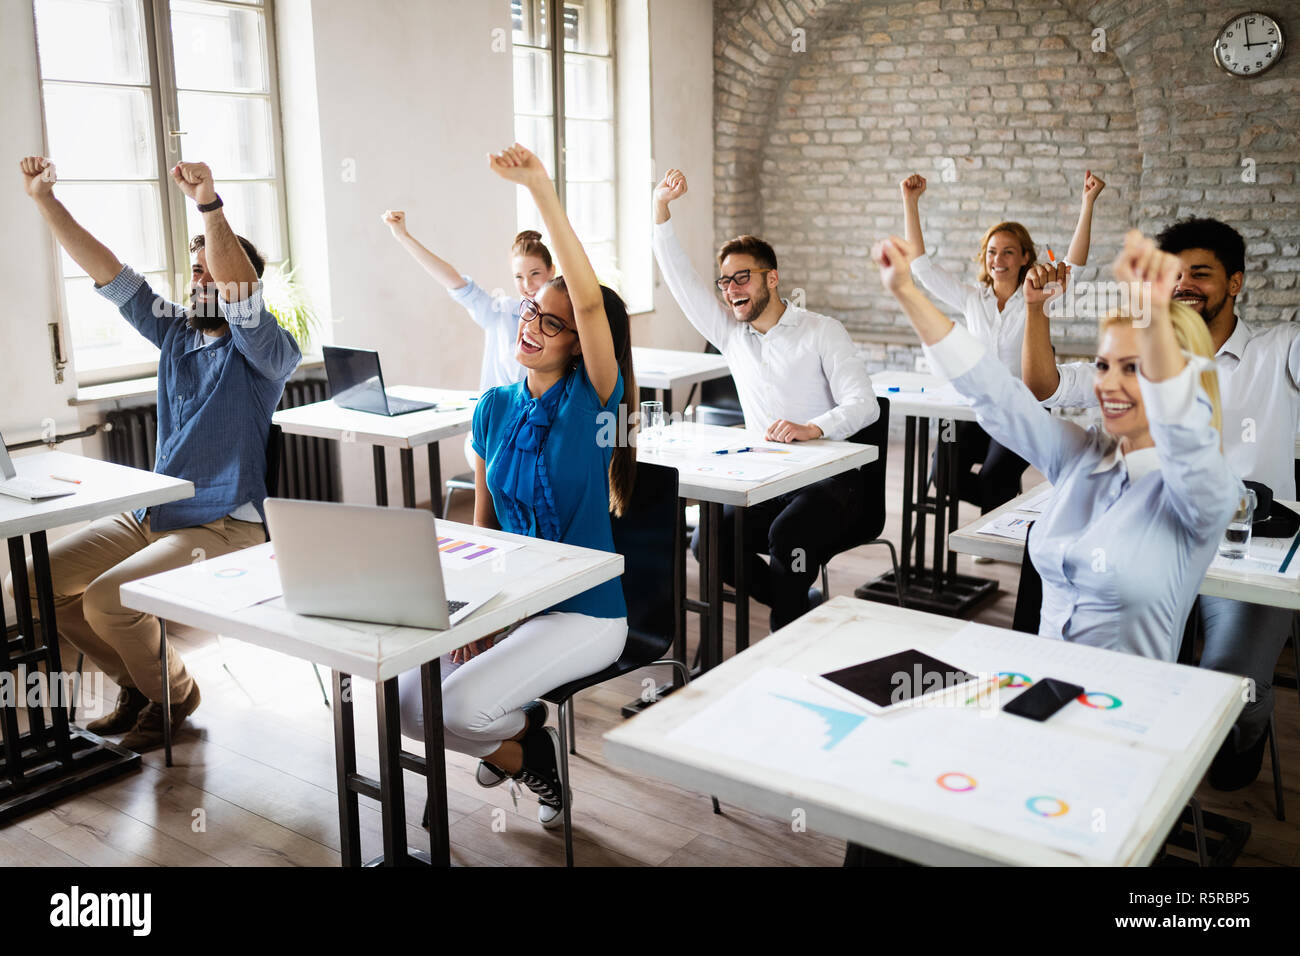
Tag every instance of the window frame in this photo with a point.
(165, 101)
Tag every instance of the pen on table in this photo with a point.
(905, 388)
(732, 451)
(992, 685)
(71, 481)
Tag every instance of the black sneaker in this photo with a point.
(541, 774)
(1232, 770)
(490, 775)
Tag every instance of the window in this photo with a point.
(582, 94)
(131, 87)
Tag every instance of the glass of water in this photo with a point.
(1236, 540)
(652, 424)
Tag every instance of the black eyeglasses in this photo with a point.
(740, 278)
(551, 325)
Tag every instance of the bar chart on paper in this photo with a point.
(458, 552)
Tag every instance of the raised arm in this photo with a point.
(1092, 187)
(86, 251)
(518, 165)
(231, 269)
(1043, 283)
(439, 268)
(1152, 275)
(697, 297)
(912, 187)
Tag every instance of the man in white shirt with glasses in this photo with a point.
(799, 378)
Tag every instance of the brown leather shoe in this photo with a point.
(123, 717)
(148, 730)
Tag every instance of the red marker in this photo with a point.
(1050, 257)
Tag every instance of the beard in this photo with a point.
(1206, 309)
(204, 316)
(757, 304)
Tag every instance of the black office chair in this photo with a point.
(462, 482)
(867, 531)
(649, 538)
(719, 401)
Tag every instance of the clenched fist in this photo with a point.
(38, 176)
(913, 186)
(395, 219)
(1092, 186)
(195, 181)
(1045, 281)
(518, 165)
(673, 186)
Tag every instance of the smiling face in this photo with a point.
(1116, 384)
(530, 274)
(204, 313)
(1204, 284)
(539, 352)
(747, 301)
(1004, 257)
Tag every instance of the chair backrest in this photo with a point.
(719, 392)
(873, 515)
(274, 447)
(1029, 594)
(649, 537)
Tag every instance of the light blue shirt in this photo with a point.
(499, 319)
(1126, 539)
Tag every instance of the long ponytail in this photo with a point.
(622, 466)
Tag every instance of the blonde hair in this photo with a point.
(529, 243)
(1194, 336)
(1026, 246)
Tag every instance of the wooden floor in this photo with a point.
(253, 783)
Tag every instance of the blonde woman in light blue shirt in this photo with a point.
(1142, 500)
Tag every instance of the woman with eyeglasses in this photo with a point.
(1140, 501)
(995, 313)
(541, 470)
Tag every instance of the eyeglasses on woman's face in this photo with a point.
(550, 324)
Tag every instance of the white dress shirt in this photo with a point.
(803, 369)
(1125, 540)
(1259, 389)
(1002, 332)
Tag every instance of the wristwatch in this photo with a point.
(209, 206)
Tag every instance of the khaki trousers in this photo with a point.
(89, 567)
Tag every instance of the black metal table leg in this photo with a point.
(406, 461)
(943, 450)
(435, 763)
(711, 518)
(667, 399)
(742, 587)
(381, 475)
(909, 510)
(166, 691)
(345, 765)
(9, 734)
(435, 478)
(28, 647)
(50, 637)
(392, 793)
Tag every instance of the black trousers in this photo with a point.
(797, 533)
(998, 480)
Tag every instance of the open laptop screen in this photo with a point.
(354, 379)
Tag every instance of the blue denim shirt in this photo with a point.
(214, 401)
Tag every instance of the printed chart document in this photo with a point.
(1275, 556)
(469, 550)
(230, 582)
(1013, 524)
(746, 458)
(1037, 782)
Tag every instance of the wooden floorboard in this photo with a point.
(254, 781)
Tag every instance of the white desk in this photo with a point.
(921, 397)
(539, 575)
(48, 763)
(845, 631)
(1254, 588)
(403, 432)
(686, 440)
(670, 371)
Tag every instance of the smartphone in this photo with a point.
(1043, 699)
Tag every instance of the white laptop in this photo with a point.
(364, 563)
(29, 489)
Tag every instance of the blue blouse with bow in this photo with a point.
(548, 474)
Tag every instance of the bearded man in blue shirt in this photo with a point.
(223, 361)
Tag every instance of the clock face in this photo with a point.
(1248, 44)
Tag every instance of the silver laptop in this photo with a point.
(28, 489)
(364, 563)
(357, 382)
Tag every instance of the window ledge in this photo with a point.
(148, 387)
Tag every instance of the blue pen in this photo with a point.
(899, 388)
(732, 451)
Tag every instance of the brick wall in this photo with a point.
(821, 107)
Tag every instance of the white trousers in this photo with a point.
(482, 699)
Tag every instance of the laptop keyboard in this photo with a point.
(399, 405)
(454, 606)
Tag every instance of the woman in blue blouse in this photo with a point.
(541, 471)
(1140, 503)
